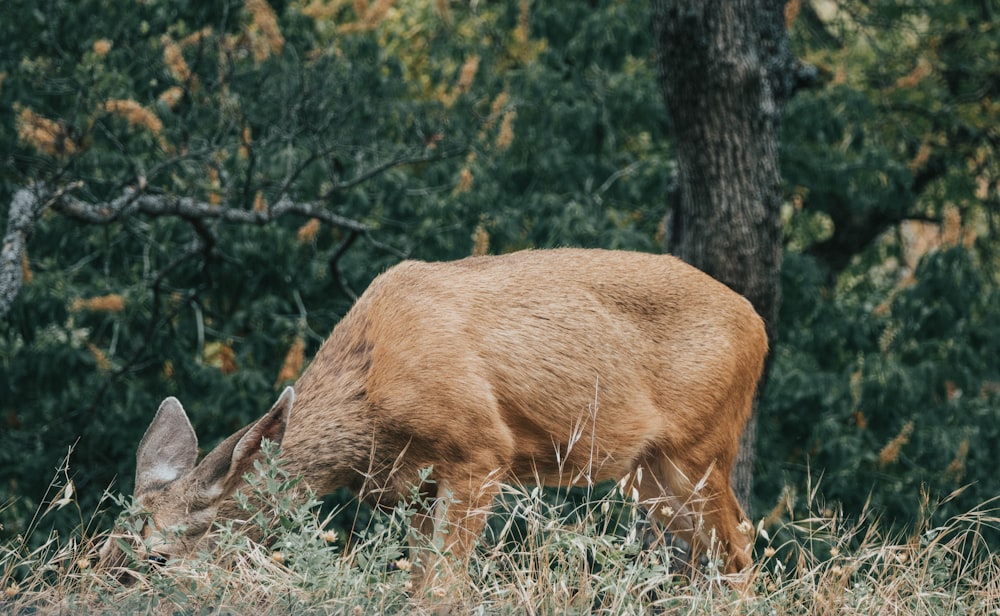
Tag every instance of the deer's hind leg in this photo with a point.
(696, 503)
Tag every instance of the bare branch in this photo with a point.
(208, 240)
(335, 266)
(25, 208)
(310, 209)
(132, 203)
(28, 203)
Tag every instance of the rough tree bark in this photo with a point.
(725, 71)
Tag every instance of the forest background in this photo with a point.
(305, 146)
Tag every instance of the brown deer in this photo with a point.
(548, 366)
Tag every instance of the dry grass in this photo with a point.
(537, 558)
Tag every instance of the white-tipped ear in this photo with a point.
(168, 450)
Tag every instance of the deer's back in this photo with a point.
(599, 354)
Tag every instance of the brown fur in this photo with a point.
(556, 366)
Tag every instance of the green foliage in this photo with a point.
(887, 392)
(884, 387)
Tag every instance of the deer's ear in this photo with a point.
(168, 450)
(222, 470)
(271, 426)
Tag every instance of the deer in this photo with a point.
(488, 370)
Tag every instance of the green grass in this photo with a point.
(538, 557)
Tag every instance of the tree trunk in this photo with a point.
(725, 72)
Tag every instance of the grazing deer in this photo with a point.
(548, 366)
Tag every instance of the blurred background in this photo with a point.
(193, 194)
